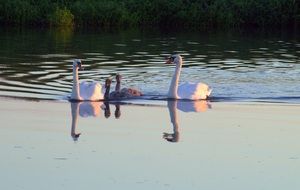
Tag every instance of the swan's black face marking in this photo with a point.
(79, 64)
(171, 59)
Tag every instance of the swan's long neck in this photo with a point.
(75, 89)
(118, 87)
(174, 82)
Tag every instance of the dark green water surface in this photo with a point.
(239, 65)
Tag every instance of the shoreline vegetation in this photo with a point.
(157, 13)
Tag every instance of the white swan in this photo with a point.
(190, 91)
(90, 91)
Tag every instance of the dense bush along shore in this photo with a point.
(187, 13)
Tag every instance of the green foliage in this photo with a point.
(195, 13)
(62, 17)
(102, 12)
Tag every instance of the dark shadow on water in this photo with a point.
(266, 99)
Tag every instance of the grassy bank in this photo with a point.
(191, 13)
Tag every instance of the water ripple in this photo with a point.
(235, 68)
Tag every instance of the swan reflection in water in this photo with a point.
(84, 109)
(94, 109)
(185, 106)
(90, 109)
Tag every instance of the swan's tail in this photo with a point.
(203, 91)
(209, 91)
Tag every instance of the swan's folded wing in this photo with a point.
(91, 91)
(194, 91)
(203, 91)
(187, 90)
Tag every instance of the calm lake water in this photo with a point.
(130, 145)
(239, 66)
(230, 146)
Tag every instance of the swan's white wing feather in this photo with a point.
(194, 91)
(186, 90)
(90, 91)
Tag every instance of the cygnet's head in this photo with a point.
(175, 58)
(77, 64)
(108, 82)
(118, 77)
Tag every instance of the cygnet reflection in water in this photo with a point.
(107, 112)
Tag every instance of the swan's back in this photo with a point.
(131, 92)
(91, 91)
(125, 93)
(194, 91)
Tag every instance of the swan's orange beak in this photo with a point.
(169, 61)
